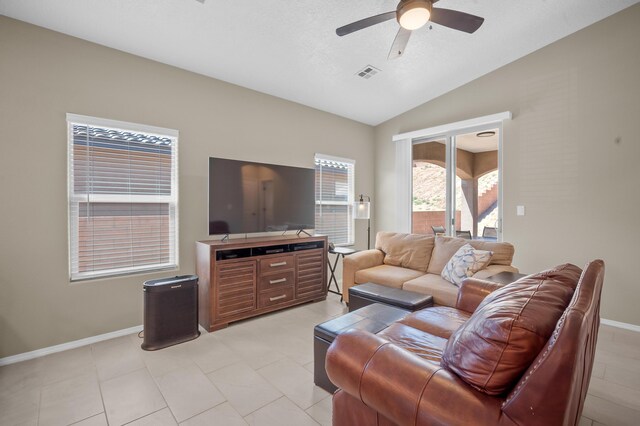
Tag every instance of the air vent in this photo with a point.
(368, 72)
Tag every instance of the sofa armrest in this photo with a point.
(473, 291)
(355, 262)
(403, 387)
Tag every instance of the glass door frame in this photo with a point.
(449, 136)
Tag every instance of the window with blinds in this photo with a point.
(123, 197)
(334, 198)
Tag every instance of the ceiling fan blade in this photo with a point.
(364, 23)
(457, 20)
(399, 43)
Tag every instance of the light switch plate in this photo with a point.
(520, 210)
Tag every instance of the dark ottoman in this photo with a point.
(372, 318)
(366, 294)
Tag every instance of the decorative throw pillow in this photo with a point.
(464, 263)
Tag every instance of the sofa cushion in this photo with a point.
(509, 328)
(411, 251)
(441, 321)
(392, 276)
(445, 247)
(464, 263)
(425, 345)
(443, 292)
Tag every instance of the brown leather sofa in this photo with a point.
(522, 355)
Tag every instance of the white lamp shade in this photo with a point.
(362, 209)
(414, 18)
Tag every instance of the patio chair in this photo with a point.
(438, 230)
(464, 234)
(490, 232)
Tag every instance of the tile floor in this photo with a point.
(257, 372)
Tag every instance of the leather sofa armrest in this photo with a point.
(473, 291)
(355, 262)
(403, 387)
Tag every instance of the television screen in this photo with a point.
(249, 197)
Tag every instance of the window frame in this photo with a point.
(350, 195)
(403, 162)
(74, 198)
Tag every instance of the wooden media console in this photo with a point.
(242, 278)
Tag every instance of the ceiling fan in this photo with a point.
(411, 15)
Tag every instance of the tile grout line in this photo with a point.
(618, 384)
(147, 415)
(39, 404)
(275, 400)
(161, 394)
(204, 411)
(104, 407)
(212, 384)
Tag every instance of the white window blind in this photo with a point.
(334, 198)
(123, 197)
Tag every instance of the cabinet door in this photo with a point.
(310, 268)
(235, 290)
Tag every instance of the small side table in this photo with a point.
(339, 252)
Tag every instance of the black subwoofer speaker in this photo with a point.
(170, 311)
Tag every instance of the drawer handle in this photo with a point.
(281, 280)
(273, 299)
(273, 265)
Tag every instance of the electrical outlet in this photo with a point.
(520, 210)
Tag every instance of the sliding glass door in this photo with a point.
(429, 185)
(456, 184)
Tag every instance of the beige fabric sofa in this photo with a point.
(414, 262)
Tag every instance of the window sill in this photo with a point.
(107, 275)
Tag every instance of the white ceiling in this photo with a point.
(289, 49)
(472, 143)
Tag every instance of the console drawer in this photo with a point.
(276, 264)
(275, 297)
(276, 280)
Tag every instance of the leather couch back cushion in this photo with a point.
(504, 335)
(446, 247)
(411, 251)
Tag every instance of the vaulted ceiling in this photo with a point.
(289, 49)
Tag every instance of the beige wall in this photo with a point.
(571, 153)
(44, 75)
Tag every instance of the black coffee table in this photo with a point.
(365, 294)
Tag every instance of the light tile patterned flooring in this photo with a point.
(257, 372)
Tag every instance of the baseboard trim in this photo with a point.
(618, 324)
(69, 345)
(118, 333)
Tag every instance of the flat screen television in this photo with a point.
(247, 197)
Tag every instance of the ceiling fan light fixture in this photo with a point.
(413, 14)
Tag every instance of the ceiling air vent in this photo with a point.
(368, 72)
